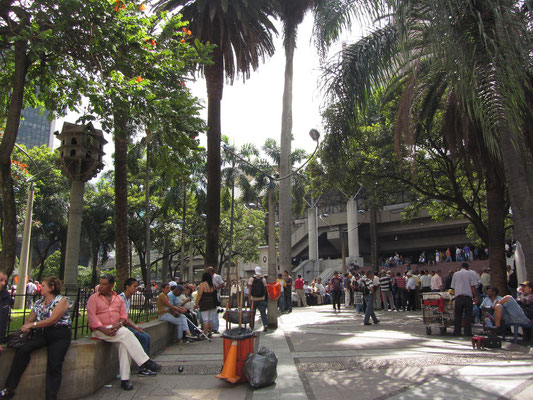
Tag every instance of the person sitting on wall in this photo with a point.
(50, 321)
(512, 311)
(106, 313)
(130, 288)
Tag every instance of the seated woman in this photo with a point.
(50, 319)
(512, 311)
(173, 314)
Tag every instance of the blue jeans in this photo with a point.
(180, 322)
(143, 338)
(513, 313)
(369, 300)
(260, 305)
(281, 302)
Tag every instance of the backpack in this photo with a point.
(364, 288)
(258, 288)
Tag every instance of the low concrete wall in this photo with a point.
(89, 365)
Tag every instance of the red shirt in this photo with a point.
(100, 312)
(400, 282)
(299, 283)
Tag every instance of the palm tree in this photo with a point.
(441, 49)
(330, 17)
(242, 33)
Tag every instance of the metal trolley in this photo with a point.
(438, 311)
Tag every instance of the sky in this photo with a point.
(251, 111)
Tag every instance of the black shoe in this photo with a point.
(495, 331)
(376, 322)
(367, 323)
(265, 329)
(126, 385)
(216, 332)
(147, 372)
(6, 394)
(151, 365)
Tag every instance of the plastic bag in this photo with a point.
(261, 368)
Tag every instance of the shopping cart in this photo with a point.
(438, 311)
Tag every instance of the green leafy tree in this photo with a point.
(241, 31)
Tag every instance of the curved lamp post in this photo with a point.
(272, 269)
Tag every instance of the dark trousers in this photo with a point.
(463, 305)
(260, 305)
(57, 341)
(288, 299)
(337, 294)
(411, 300)
(143, 338)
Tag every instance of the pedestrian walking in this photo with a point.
(464, 286)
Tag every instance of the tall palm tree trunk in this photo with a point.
(519, 174)
(495, 187)
(9, 214)
(121, 198)
(214, 76)
(285, 187)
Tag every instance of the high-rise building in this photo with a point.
(35, 129)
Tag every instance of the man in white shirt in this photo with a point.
(411, 290)
(425, 282)
(464, 285)
(377, 293)
(436, 282)
(485, 280)
(30, 290)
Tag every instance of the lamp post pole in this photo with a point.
(272, 259)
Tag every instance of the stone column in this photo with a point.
(353, 231)
(25, 252)
(272, 260)
(72, 254)
(312, 234)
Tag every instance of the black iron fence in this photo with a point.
(142, 309)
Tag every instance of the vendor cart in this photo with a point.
(438, 311)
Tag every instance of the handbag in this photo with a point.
(216, 299)
(18, 338)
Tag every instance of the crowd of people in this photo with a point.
(193, 310)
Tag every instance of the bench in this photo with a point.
(89, 365)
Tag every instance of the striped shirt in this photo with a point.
(385, 283)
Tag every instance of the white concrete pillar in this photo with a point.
(353, 231)
(312, 234)
(72, 255)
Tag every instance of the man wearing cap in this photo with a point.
(257, 290)
(515, 311)
(464, 284)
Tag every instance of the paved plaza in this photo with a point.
(327, 355)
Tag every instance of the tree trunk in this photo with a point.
(121, 196)
(518, 167)
(165, 261)
(374, 238)
(285, 188)
(214, 76)
(94, 275)
(496, 211)
(9, 214)
(63, 248)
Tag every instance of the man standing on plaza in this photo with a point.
(385, 282)
(257, 289)
(411, 292)
(288, 292)
(107, 316)
(367, 286)
(300, 293)
(464, 285)
(436, 282)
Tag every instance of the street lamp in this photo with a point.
(272, 259)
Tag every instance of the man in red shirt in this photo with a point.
(401, 291)
(107, 316)
(300, 293)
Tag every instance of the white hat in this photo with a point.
(409, 273)
(172, 284)
(258, 270)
